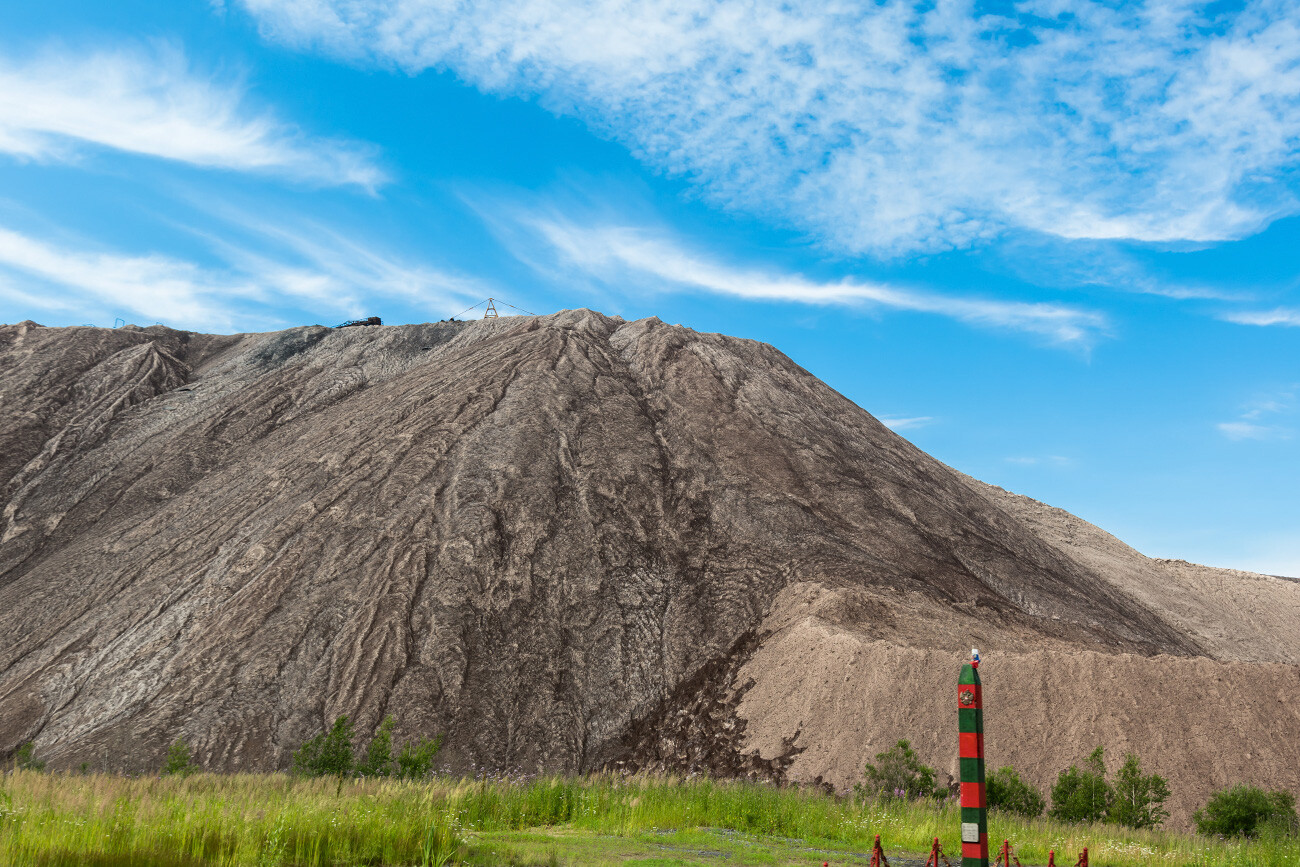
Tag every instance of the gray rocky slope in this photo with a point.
(565, 542)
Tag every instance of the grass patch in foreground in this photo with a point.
(273, 819)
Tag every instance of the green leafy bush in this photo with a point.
(178, 760)
(1133, 799)
(25, 758)
(1082, 795)
(1139, 800)
(378, 761)
(1006, 791)
(898, 773)
(329, 754)
(416, 759)
(1246, 811)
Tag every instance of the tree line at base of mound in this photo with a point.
(1084, 793)
(328, 754)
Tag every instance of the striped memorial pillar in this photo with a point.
(970, 724)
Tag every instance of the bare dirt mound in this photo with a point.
(558, 540)
(824, 690)
(1232, 614)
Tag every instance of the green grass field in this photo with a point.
(272, 819)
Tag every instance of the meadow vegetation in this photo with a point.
(274, 819)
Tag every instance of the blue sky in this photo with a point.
(1055, 245)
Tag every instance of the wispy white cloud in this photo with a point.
(11, 291)
(1080, 264)
(620, 254)
(1045, 460)
(306, 267)
(151, 102)
(897, 424)
(1259, 419)
(154, 286)
(1279, 316)
(1276, 402)
(1242, 430)
(894, 126)
(322, 265)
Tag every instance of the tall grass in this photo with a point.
(244, 819)
(273, 819)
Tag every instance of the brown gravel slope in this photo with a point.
(827, 690)
(1231, 614)
(836, 680)
(563, 541)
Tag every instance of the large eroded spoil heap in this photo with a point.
(571, 541)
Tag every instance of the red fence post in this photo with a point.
(878, 858)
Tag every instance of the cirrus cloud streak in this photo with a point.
(616, 254)
(152, 103)
(1278, 316)
(305, 267)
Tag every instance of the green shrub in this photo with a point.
(416, 759)
(1134, 799)
(328, 754)
(1006, 791)
(1139, 800)
(25, 758)
(378, 761)
(1082, 795)
(898, 773)
(1246, 811)
(178, 760)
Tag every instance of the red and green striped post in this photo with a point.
(970, 725)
